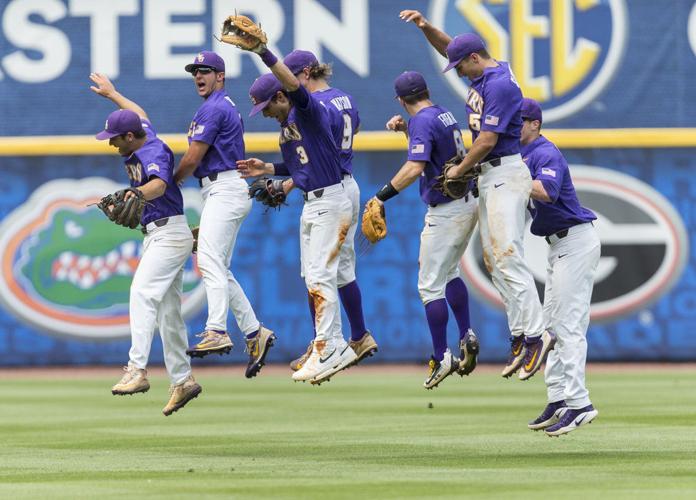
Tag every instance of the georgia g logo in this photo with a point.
(562, 53)
(644, 245)
(65, 269)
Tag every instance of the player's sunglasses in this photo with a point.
(202, 71)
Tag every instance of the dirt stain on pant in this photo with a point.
(342, 232)
(319, 303)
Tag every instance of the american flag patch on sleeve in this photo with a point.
(491, 120)
(548, 171)
(418, 148)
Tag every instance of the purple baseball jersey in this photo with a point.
(433, 137)
(493, 105)
(547, 164)
(310, 154)
(155, 159)
(218, 124)
(344, 123)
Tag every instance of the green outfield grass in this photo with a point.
(363, 435)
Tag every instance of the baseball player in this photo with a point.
(216, 142)
(493, 108)
(311, 158)
(345, 123)
(155, 294)
(574, 251)
(434, 138)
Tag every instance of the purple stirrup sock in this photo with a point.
(458, 299)
(436, 312)
(351, 299)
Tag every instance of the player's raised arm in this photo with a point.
(105, 88)
(437, 38)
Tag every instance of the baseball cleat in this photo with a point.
(322, 359)
(363, 348)
(132, 382)
(516, 357)
(298, 363)
(212, 343)
(439, 370)
(537, 349)
(551, 415)
(469, 349)
(258, 347)
(347, 357)
(181, 394)
(571, 420)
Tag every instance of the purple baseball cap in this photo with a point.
(531, 109)
(298, 60)
(207, 59)
(120, 122)
(409, 83)
(262, 91)
(461, 47)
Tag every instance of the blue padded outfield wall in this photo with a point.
(618, 99)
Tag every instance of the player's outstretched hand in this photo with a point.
(104, 87)
(396, 123)
(252, 167)
(414, 17)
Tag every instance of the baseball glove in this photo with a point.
(455, 187)
(242, 32)
(122, 211)
(268, 191)
(374, 222)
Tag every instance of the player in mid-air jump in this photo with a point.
(155, 294)
(574, 251)
(345, 123)
(493, 107)
(311, 158)
(434, 138)
(216, 142)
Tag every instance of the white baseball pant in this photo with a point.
(324, 226)
(446, 233)
(346, 259)
(570, 270)
(226, 204)
(155, 297)
(503, 195)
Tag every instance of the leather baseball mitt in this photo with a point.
(244, 33)
(122, 211)
(455, 187)
(268, 191)
(374, 221)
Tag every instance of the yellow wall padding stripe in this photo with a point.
(267, 142)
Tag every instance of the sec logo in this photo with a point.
(644, 245)
(563, 53)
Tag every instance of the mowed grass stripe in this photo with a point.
(370, 436)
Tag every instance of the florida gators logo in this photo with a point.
(65, 269)
(563, 53)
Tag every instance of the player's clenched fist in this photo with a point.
(396, 123)
(413, 16)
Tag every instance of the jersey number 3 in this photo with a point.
(304, 159)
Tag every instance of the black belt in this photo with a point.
(213, 177)
(466, 198)
(560, 235)
(159, 223)
(493, 162)
(318, 193)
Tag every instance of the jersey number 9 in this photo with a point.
(347, 141)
